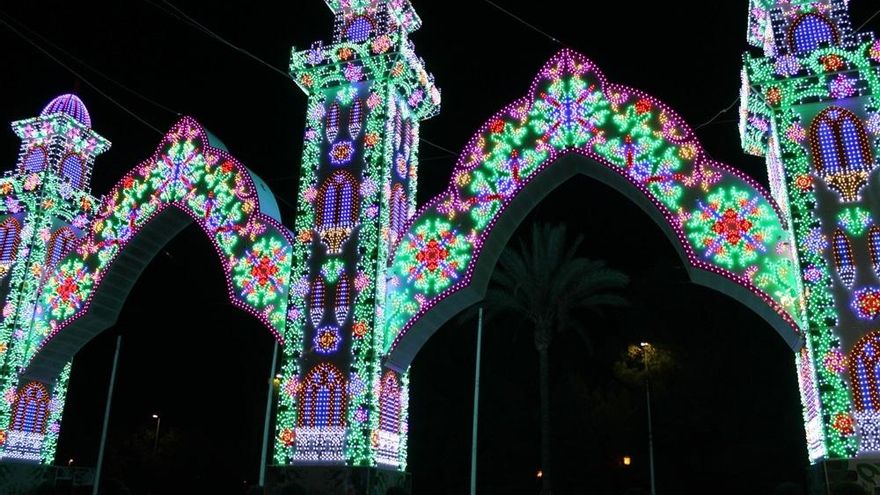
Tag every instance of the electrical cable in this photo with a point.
(78, 75)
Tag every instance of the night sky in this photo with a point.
(727, 420)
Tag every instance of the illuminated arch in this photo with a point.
(323, 398)
(399, 214)
(359, 28)
(356, 118)
(726, 228)
(842, 253)
(10, 237)
(343, 300)
(864, 375)
(60, 243)
(317, 299)
(390, 420)
(190, 178)
(35, 160)
(333, 122)
(336, 211)
(874, 248)
(810, 31)
(389, 403)
(841, 151)
(73, 169)
(31, 409)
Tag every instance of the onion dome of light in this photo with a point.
(71, 105)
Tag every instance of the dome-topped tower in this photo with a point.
(60, 142)
(45, 209)
(71, 105)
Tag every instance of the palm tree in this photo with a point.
(545, 282)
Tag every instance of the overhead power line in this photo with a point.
(525, 23)
(91, 68)
(869, 20)
(77, 74)
(169, 9)
(717, 115)
(187, 19)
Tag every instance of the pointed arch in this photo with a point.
(60, 243)
(73, 169)
(31, 409)
(841, 151)
(317, 300)
(35, 160)
(356, 118)
(864, 376)
(810, 31)
(390, 420)
(359, 28)
(399, 214)
(343, 300)
(333, 122)
(389, 403)
(191, 178)
(10, 237)
(337, 208)
(874, 248)
(727, 229)
(398, 128)
(323, 398)
(843, 258)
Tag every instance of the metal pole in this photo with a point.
(110, 387)
(827, 484)
(265, 453)
(476, 404)
(646, 350)
(156, 440)
(650, 436)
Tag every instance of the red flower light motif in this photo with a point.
(264, 271)
(496, 126)
(832, 63)
(359, 329)
(774, 96)
(867, 303)
(432, 255)
(643, 106)
(67, 289)
(804, 182)
(732, 227)
(844, 424)
(288, 437)
(128, 182)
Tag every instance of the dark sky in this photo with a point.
(191, 357)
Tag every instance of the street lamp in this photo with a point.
(646, 349)
(156, 442)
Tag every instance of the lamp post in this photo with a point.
(646, 348)
(156, 442)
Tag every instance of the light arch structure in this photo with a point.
(729, 231)
(191, 178)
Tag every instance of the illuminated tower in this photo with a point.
(368, 92)
(810, 106)
(45, 204)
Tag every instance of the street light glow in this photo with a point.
(155, 416)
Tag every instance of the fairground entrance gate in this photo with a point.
(365, 277)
